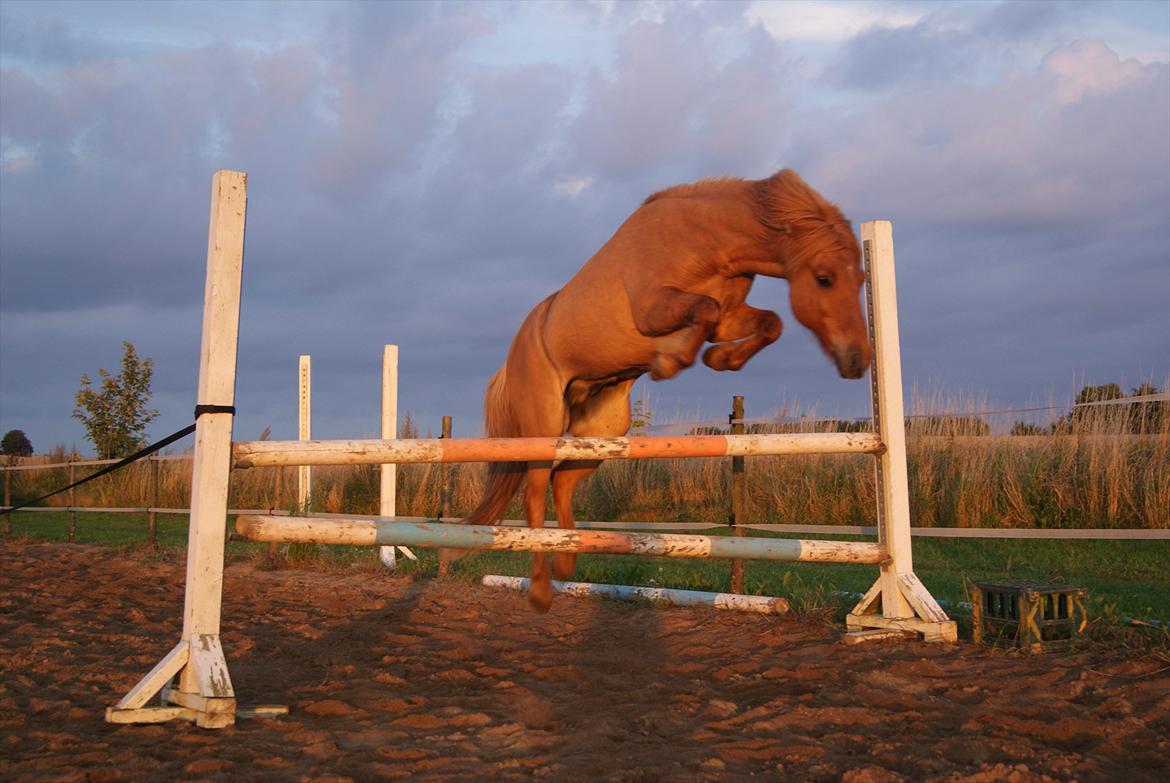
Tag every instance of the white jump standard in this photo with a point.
(896, 604)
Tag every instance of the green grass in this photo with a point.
(1123, 578)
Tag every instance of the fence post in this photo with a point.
(388, 474)
(737, 478)
(445, 476)
(305, 431)
(8, 499)
(72, 501)
(273, 547)
(152, 514)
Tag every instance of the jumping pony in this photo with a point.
(673, 277)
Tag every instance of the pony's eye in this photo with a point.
(824, 281)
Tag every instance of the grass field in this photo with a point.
(1125, 579)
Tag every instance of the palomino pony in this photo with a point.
(673, 277)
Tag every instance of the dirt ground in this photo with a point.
(388, 678)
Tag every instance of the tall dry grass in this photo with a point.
(1092, 472)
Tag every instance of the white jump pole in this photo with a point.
(305, 429)
(204, 692)
(898, 602)
(381, 532)
(760, 604)
(388, 478)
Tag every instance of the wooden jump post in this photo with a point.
(897, 603)
(204, 690)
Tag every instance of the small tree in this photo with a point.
(115, 415)
(1026, 428)
(16, 444)
(1149, 416)
(640, 414)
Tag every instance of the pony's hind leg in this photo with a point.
(605, 413)
(564, 481)
(540, 591)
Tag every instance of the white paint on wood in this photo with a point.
(210, 667)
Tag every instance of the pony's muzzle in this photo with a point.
(852, 361)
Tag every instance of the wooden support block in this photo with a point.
(262, 711)
(210, 713)
(930, 631)
(201, 703)
(875, 635)
(148, 714)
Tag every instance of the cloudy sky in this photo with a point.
(423, 174)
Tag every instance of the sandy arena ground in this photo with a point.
(391, 679)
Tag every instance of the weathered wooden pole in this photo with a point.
(8, 498)
(72, 501)
(445, 476)
(380, 532)
(264, 453)
(761, 604)
(152, 514)
(737, 492)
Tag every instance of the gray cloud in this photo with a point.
(949, 42)
(684, 95)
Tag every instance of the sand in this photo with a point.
(389, 678)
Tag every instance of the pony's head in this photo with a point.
(822, 264)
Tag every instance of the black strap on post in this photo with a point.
(146, 452)
(202, 409)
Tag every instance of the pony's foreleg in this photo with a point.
(742, 332)
(681, 320)
(535, 502)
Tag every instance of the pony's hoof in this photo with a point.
(563, 566)
(663, 368)
(716, 358)
(449, 556)
(540, 596)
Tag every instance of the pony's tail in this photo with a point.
(503, 478)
